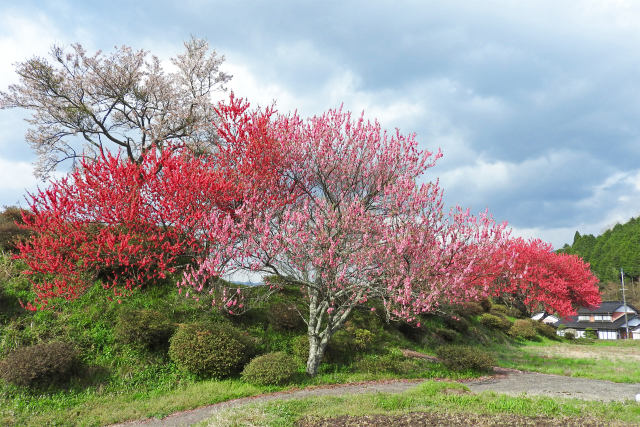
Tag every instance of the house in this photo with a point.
(607, 320)
(543, 317)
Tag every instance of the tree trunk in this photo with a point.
(317, 346)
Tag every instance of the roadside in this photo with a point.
(505, 381)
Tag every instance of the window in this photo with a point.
(607, 335)
(584, 318)
(603, 317)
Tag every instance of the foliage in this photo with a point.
(391, 362)
(459, 324)
(616, 248)
(499, 310)
(523, 329)
(546, 330)
(358, 212)
(495, 322)
(486, 304)
(11, 229)
(537, 278)
(271, 369)
(210, 350)
(131, 224)
(40, 365)
(300, 347)
(469, 309)
(570, 333)
(149, 329)
(446, 334)
(285, 317)
(122, 101)
(590, 333)
(461, 358)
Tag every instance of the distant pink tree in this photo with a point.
(359, 225)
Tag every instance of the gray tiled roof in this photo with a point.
(572, 322)
(604, 308)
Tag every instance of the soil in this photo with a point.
(449, 419)
(506, 381)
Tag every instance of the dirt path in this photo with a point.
(505, 381)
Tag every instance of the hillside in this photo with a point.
(616, 248)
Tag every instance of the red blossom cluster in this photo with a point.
(539, 278)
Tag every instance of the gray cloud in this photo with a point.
(534, 104)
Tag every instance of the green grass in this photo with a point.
(94, 407)
(114, 403)
(427, 397)
(616, 361)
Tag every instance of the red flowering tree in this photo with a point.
(359, 226)
(131, 223)
(539, 278)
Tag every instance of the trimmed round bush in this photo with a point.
(546, 330)
(40, 365)
(271, 369)
(570, 334)
(523, 329)
(499, 310)
(210, 350)
(495, 322)
(146, 328)
(462, 358)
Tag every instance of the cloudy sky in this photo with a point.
(535, 104)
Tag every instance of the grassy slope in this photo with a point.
(124, 382)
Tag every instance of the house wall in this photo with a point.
(607, 335)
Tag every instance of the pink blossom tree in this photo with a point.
(358, 225)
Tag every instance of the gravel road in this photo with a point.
(505, 381)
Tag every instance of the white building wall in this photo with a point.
(608, 335)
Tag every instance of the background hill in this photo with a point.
(618, 247)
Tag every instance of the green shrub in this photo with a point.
(271, 369)
(469, 309)
(590, 333)
(392, 363)
(284, 317)
(499, 310)
(514, 312)
(457, 323)
(146, 328)
(45, 364)
(495, 322)
(462, 358)
(10, 232)
(210, 350)
(486, 305)
(570, 334)
(446, 334)
(546, 330)
(300, 348)
(411, 331)
(523, 329)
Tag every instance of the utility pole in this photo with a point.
(624, 301)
